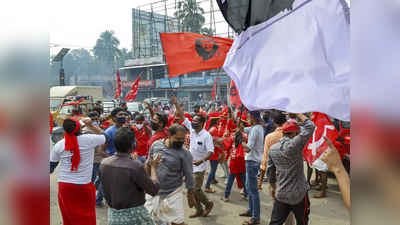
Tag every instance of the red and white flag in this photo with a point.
(215, 87)
(118, 92)
(316, 145)
(133, 91)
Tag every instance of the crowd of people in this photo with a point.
(138, 167)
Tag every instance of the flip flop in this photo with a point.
(196, 214)
(246, 214)
(210, 190)
(251, 222)
(222, 199)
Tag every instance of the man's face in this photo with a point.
(234, 106)
(95, 119)
(179, 136)
(156, 120)
(196, 119)
(120, 114)
(207, 44)
(139, 121)
(196, 110)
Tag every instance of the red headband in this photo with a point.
(71, 144)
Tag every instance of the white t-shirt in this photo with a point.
(87, 144)
(198, 150)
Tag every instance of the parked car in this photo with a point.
(135, 108)
(108, 107)
(344, 131)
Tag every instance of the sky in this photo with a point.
(75, 24)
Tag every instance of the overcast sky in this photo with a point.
(79, 23)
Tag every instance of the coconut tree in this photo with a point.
(190, 14)
(207, 31)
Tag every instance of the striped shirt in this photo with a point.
(286, 157)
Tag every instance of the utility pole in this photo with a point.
(60, 57)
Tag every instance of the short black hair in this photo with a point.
(93, 114)
(175, 128)
(69, 125)
(115, 111)
(219, 109)
(75, 110)
(139, 117)
(202, 118)
(98, 101)
(279, 118)
(98, 108)
(162, 118)
(167, 106)
(123, 139)
(196, 107)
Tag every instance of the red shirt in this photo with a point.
(157, 136)
(142, 138)
(217, 149)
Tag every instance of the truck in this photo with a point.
(60, 95)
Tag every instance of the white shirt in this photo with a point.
(200, 145)
(87, 143)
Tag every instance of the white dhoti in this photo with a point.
(320, 165)
(169, 210)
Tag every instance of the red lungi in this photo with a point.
(77, 203)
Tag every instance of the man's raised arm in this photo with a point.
(181, 114)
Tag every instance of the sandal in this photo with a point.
(319, 187)
(246, 214)
(196, 214)
(246, 199)
(251, 222)
(209, 190)
(222, 198)
(208, 209)
(214, 182)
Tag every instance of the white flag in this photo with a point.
(297, 61)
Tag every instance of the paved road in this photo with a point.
(329, 211)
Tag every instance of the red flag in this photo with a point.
(234, 97)
(118, 92)
(215, 87)
(316, 145)
(190, 52)
(133, 91)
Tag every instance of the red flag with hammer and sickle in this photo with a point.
(118, 92)
(316, 145)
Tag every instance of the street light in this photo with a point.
(59, 57)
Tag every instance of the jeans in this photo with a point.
(251, 184)
(99, 196)
(96, 168)
(141, 158)
(211, 176)
(229, 184)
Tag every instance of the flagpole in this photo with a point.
(238, 124)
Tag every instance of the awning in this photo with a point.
(134, 67)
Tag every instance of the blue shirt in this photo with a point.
(111, 148)
(255, 143)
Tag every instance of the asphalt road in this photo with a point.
(330, 210)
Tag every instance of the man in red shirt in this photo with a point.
(158, 123)
(142, 134)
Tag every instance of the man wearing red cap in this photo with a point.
(76, 192)
(286, 158)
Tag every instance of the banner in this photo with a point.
(142, 83)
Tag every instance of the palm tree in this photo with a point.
(106, 48)
(124, 51)
(207, 31)
(190, 14)
(107, 52)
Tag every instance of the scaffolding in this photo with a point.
(158, 17)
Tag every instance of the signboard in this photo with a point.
(207, 80)
(174, 82)
(142, 83)
(144, 61)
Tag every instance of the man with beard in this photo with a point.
(177, 161)
(202, 148)
(158, 123)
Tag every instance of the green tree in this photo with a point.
(106, 48)
(190, 14)
(207, 31)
